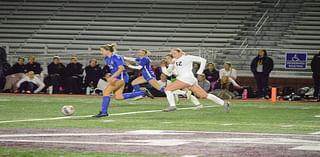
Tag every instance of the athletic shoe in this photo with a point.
(226, 106)
(137, 98)
(100, 114)
(169, 109)
(188, 94)
(148, 93)
(198, 107)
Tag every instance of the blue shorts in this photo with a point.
(124, 76)
(147, 75)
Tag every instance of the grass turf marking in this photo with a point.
(87, 116)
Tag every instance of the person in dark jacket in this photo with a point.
(34, 66)
(93, 73)
(212, 75)
(74, 77)
(16, 73)
(315, 67)
(56, 73)
(4, 67)
(261, 67)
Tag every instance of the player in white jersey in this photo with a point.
(185, 79)
(186, 92)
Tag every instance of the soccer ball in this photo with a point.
(67, 110)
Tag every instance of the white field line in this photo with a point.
(73, 142)
(86, 116)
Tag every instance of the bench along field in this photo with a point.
(34, 125)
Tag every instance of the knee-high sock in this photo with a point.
(132, 94)
(105, 104)
(170, 98)
(136, 87)
(215, 99)
(194, 100)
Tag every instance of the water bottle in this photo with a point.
(88, 90)
(245, 94)
(50, 89)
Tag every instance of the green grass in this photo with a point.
(61, 153)
(245, 116)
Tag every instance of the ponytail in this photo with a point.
(146, 52)
(110, 47)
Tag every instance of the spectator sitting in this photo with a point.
(224, 88)
(93, 73)
(106, 69)
(16, 73)
(33, 66)
(30, 84)
(195, 68)
(4, 67)
(212, 75)
(163, 82)
(203, 83)
(56, 73)
(229, 71)
(102, 84)
(74, 77)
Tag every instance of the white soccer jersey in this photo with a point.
(183, 68)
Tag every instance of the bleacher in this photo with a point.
(65, 27)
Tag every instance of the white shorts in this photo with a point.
(191, 80)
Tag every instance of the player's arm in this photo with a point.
(167, 71)
(129, 59)
(200, 60)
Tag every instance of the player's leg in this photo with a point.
(153, 82)
(138, 93)
(107, 97)
(197, 90)
(136, 83)
(169, 93)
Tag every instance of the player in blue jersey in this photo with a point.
(117, 81)
(144, 65)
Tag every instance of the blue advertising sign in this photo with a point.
(296, 60)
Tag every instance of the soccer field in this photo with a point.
(37, 122)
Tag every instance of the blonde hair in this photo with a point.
(110, 47)
(147, 52)
(178, 50)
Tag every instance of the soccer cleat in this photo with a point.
(100, 114)
(148, 93)
(226, 106)
(169, 109)
(188, 94)
(137, 98)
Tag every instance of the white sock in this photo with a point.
(194, 100)
(215, 99)
(179, 92)
(170, 99)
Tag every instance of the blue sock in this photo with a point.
(132, 94)
(162, 89)
(105, 104)
(136, 87)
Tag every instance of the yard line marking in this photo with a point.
(312, 148)
(317, 116)
(98, 143)
(315, 133)
(87, 116)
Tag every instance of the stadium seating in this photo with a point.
(50, 27)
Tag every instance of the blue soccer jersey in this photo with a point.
(114, 62)
(146, 69)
